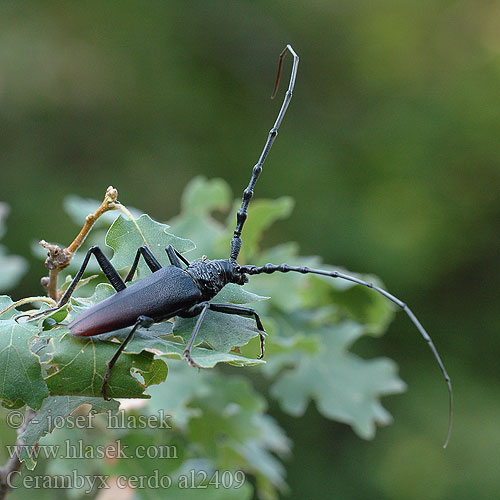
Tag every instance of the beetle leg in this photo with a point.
(175, 257)
(244, 311)
(143, 321)
(202, 309)
(107, 268)
(149, 258)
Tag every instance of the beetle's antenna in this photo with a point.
(285, 268)
(257, 169)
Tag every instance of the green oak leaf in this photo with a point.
(235, 407)
(20, 370)
(200, 198)
(57, 316)
(55, 408)
(345, 387)
(126, 236)
(233, 419)
(77, 367)
(281, 351)
(231, 428)
(269, 471)
(185, 383)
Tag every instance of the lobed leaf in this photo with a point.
(126, 236)
(77, 367)
(345, 387)
(223, 418)
(200, 198)
(20, 370)
(50, 414)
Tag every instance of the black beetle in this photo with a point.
(184, 288)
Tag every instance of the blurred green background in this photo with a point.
(390, 148)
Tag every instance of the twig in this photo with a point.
(59, 258)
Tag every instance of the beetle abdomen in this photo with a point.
(159, 296)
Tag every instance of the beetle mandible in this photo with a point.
(184, 288)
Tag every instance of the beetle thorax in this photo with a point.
(211, 276)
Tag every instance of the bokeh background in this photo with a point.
(390, 148)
